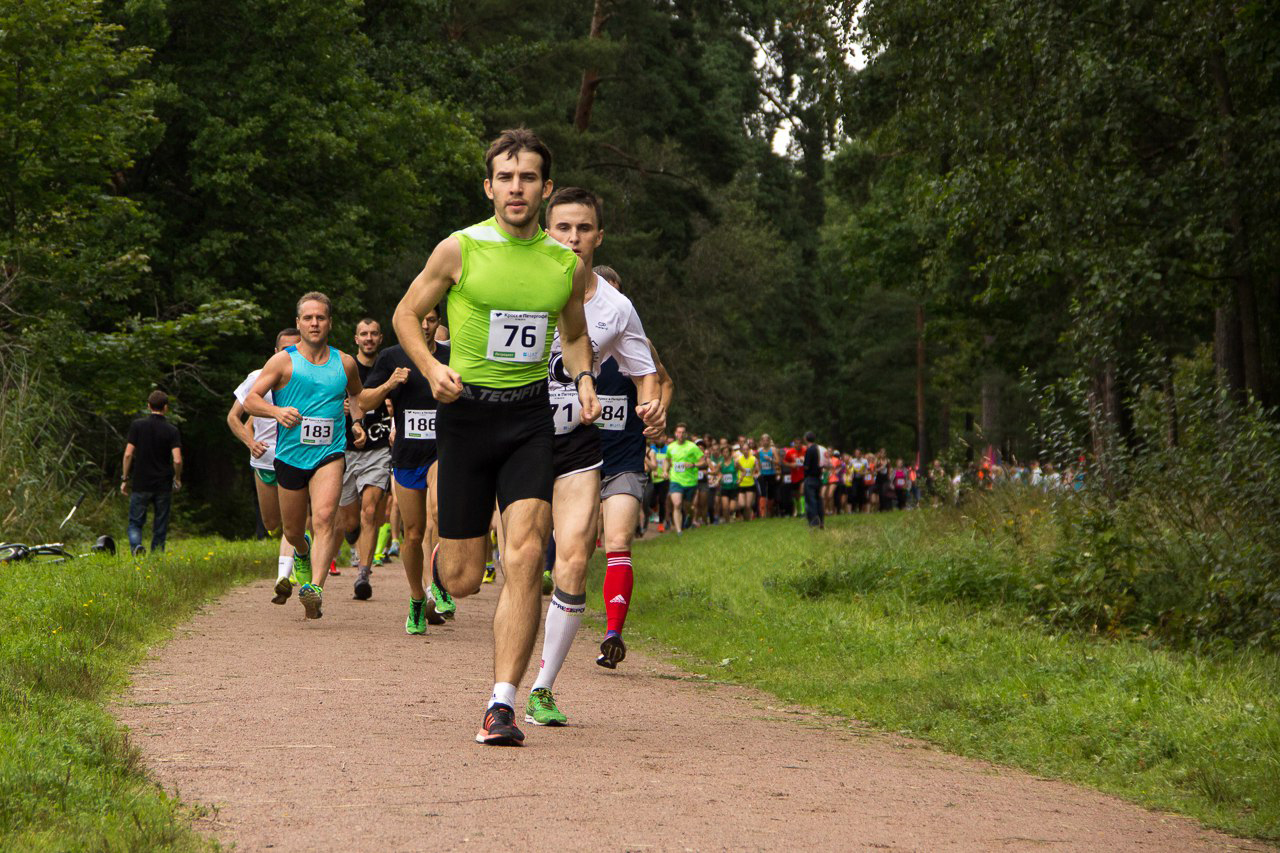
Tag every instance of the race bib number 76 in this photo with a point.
(519, 337)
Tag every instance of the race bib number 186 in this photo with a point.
(519, 337)
(420, 423)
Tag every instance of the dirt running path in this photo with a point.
(348, 734)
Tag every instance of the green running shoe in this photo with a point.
(548, 583)
(541, 709)
(311, 597)
(443, 601)
(302, 565)
(417, 621)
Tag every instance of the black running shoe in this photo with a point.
(363, 589)
(499, 728)
(612, 651)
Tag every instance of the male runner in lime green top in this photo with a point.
(685, 459)
(508, 284)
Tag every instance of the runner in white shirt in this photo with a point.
(261, 441)
(573, 218)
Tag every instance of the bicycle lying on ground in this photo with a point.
(53, 552)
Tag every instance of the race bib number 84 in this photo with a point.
(316, 431)
(613, 412)
(519, 337)
(420, 423)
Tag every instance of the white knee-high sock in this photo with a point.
(284, 565)
(564, 615)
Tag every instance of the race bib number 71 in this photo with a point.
(519, 337)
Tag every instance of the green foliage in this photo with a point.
(910, 648)
(42, 471)
(69, 633)
(74, 115)
(1184, 543)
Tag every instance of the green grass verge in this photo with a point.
(69, 633)
(797, 614)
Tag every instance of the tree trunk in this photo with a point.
(591, 76)
(1228, 359)
(990, 401)
(1240, 260)
(922, 444)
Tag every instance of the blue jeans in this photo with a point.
(813, 508)
(138, 503)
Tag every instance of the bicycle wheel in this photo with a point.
(13, 552)
(49, 554)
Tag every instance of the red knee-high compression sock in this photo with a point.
(618, 583)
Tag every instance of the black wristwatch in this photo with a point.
(578, 378)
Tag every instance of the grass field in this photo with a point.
(798, 614)
(68, 635)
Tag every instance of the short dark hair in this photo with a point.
(157, 400)
(811, 436)
(290, 332)
(577, 195)
(609, 274)
(364, 321)
(514, 141)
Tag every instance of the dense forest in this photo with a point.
(902, 223)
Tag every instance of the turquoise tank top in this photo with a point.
(317, 392)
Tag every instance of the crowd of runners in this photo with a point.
(520, 399)
(518, 426)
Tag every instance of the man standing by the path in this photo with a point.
(153, 455)
(367, 475)
(508, 284)
(813, 481)
(308, 383)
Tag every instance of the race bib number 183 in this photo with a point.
(316, 431)
(519, 337)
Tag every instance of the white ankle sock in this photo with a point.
(284, 566)
(504, 693)
(564, 615)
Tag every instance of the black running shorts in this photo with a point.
(577, 451)
(767, 486)
(491, 444)
(296, 479)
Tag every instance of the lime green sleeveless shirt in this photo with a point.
(504, 309)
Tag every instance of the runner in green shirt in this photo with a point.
(685, 459)
(507, 284)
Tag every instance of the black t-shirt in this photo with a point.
(624, 448)
(413, 396)
(153, 439)
(813, 461)
(377, 423)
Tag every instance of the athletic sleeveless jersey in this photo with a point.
(504, 308)
(317, 392)
(615, 332)
(728, 473)
(624, 448)
(767, 462)
(747, 465)
(659, 456)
